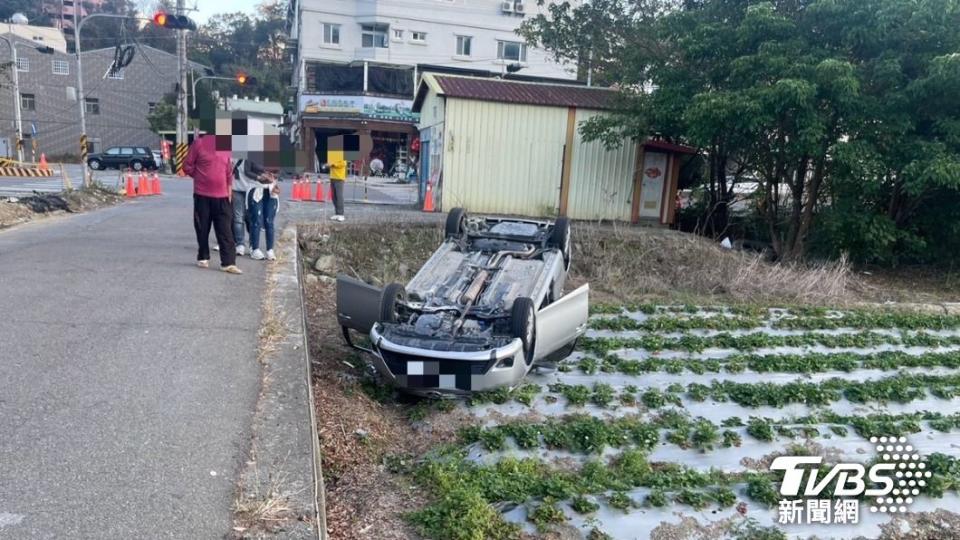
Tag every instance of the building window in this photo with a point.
(23, 64)
(463, 45)
(116, 74)
(91, 105)
(512, 50)
(331, 34)
(61, 67)
(151, 107)
(397, 34)
(420, 37)
(373, 35)
(28, 102)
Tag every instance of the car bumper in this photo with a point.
(433, 373)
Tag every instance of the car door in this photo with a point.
(563, 321)
(126, 155)
(358, 304)
(109, 158)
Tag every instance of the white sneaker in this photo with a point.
(241, 250)
(257, 255)
(340, 218)
(271, 256)
(334, 217)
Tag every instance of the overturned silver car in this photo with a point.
(486, 307)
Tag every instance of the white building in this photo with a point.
(357, 62)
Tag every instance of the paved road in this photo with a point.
(128, 376)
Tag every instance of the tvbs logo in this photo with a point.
(893, 481)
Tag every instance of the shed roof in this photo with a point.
(527, 93)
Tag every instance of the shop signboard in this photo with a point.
(372, 107)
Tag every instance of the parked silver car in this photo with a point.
(486, 307)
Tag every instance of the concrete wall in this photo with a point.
(124, 104)
(442, 20)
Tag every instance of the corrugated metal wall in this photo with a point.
(601, 181)
(503, 158)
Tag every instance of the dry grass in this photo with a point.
(265, 511)
(653, 264)
(272, 330)
(364, 500)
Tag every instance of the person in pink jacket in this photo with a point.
(212, 175)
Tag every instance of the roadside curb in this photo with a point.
(319, 489)
(280, 492)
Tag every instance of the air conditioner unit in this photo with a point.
(518, 8)
(506, 6)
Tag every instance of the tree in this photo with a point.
(164, 115)
(842, 111)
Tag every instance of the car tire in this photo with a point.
(560, 238)
(455, 221)
(523, 325)
(136, 165)
(392, 294)
(95, 164)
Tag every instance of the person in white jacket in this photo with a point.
(241, 185)
(263, 202)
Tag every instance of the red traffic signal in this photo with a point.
(173, 22)
(244, 79)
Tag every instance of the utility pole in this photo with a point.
(18, 117)
(181, 93)
(80, 98)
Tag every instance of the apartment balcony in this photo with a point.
(373, 54)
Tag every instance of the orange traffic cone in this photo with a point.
(295, 190)
(318, 196)
(428, 199)
(155, 184)
(131, 189)
(43, 162)
(143, 188)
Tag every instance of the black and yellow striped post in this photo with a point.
(83, 159)
(181, 157)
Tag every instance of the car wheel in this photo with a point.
(523, 325)
(393, 294)
(455, 221)
(137, 166)
(94, 164)
(560, 238)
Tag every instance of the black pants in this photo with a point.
(219, 213)
(337, 187)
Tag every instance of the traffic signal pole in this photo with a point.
(81, 99)
(181, 93)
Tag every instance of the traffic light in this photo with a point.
(243, 79)
(173, 22)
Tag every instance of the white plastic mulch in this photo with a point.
(639, 522)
